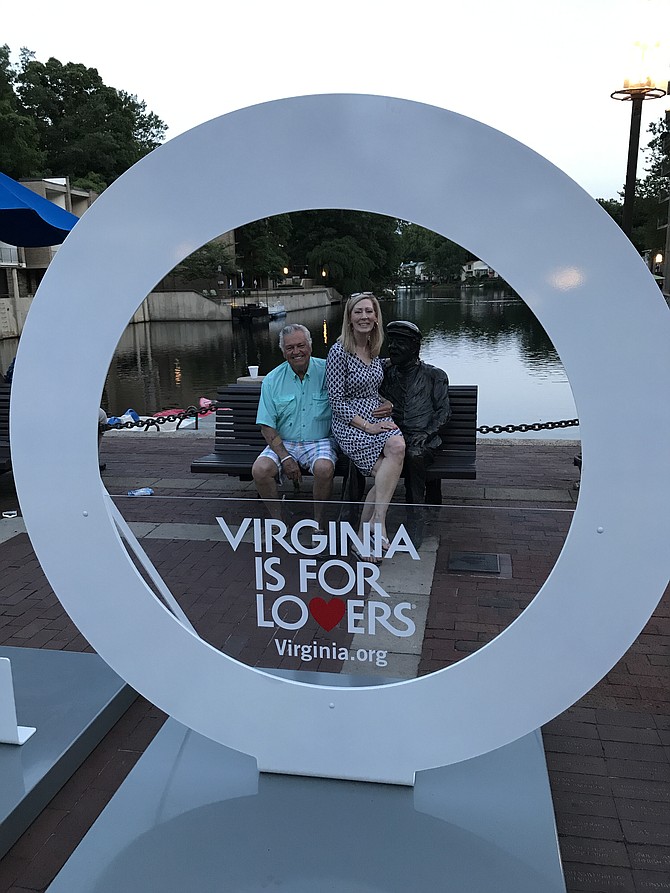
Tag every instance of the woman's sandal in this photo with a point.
(372, 559)
(386, 545)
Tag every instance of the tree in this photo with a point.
(261, 247)
(20, 155)
(84, 128)
(446, 260)
(657, 181)
(650, 192)
(346, 264)
(442, 257)
(358, 250)
(209, 262)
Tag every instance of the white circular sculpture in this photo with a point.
(505, 204)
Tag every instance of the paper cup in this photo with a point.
(253, 371)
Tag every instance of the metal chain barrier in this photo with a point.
(537, 426)
(192, 411)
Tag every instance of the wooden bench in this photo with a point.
(238, 440)
(5, 458)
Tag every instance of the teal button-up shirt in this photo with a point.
(297, 410)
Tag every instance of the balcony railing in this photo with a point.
(9, 255)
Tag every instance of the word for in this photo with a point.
(314, 651)
(268, 576)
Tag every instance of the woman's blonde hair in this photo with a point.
(376, 337)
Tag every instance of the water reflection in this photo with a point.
(479, 337)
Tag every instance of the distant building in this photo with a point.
(414, 271)
(22, 269)
(477, 269)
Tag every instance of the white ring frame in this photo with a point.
(507, 205)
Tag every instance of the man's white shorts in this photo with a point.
(305, 452)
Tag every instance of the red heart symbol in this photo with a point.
(327, 614)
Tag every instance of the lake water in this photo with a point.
(478, 337)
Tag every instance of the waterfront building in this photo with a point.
(477, 269)
(22, 269)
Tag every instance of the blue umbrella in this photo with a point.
(28, 220)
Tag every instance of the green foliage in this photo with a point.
(261, 247)
(645, 234)
(347, 265)
(92, 181)
(650, 193)
(443, 258)
(358, 250)
(20, 155)
(208, 262)
(657, 182)
(62, 120)
(614, 208)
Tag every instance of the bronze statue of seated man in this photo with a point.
(419, 396)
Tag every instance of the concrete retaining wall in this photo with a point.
(189, 305)
(13, 312)
(181, 306)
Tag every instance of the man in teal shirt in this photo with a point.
(294, 416)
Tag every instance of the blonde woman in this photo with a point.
(353, 374)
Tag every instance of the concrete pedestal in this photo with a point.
(72, 700)
(194, 815)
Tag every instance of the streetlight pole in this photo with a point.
(631, 167)
(635, 93)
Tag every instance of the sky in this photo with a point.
(539, 72)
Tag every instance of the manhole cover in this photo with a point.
(478, 562)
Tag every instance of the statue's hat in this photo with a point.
(404, 328)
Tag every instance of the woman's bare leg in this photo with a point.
(386, 472)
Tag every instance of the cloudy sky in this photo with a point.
(542, 73)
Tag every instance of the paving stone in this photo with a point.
(655, 858)
(590, 805)
(628, 735)
(622, 750)
(646, 832)
(595, 879)
(641, 810)
(188, 532)
(631, 768)
(594, 827)
(641, 789)
(578, 848)
(651, 882)
(565, 744)
(518, 494)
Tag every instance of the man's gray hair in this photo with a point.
(290, 329)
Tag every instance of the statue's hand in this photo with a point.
(416, 445)
(383, 411)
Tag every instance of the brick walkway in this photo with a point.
(608, 756)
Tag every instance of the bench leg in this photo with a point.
(353, 488)
(434, 492)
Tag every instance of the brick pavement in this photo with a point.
(608, 755)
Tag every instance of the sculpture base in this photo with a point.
(73, 699)
(194, 815)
